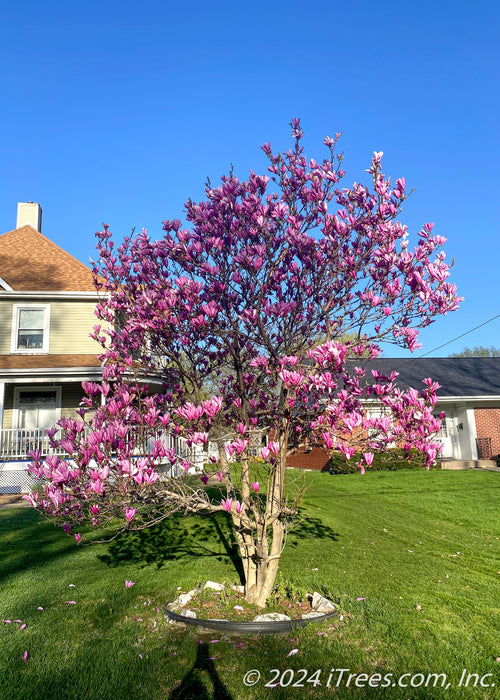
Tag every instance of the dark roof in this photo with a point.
(458, 376)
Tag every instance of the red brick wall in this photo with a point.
(488, 426)
(318, 459)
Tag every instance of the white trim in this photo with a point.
(73, 374)
(2, 402)
(47, 371)
(461, 399)
(26, 388)
(6, 286)
(16, 308)
(472, 432)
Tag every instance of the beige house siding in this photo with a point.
(70, 325)
(72, 394)
(8, 409)
(5, 326)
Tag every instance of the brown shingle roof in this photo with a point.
(31, 262)
(47, 361)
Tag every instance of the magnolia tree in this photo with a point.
(225, 316)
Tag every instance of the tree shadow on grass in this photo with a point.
(309, 528)
(193, 686)
(175, 538)
(27, 541)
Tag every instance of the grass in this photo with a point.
(412, 558)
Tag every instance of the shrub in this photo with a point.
(390, 460)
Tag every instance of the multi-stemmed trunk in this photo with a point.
(261, 544)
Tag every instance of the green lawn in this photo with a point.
(397, 540)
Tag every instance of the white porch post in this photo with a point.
(472, 432)
(2, 403)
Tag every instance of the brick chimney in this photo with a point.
(29, 213)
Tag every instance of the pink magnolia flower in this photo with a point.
(274, 447)
(328, 440)
(265, 452)
(25, 656)
(368, 457)
(255, 486)
(238, 506)
(78, 537)
(130, 513)
(227, 504)
(204, 479)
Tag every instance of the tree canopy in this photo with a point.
(225, 314)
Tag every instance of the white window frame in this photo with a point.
(16, 308)
(39, 389)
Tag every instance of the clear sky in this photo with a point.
(118, 111)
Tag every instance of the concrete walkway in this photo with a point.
(481, 464)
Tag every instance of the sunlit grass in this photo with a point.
(411, 557)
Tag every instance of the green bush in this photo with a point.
(390, 460)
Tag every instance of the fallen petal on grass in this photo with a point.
(129, 584)
(25, 656)
(292, 652)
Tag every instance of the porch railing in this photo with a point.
(16, 444)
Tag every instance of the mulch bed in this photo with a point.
(9, 499)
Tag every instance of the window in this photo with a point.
(35, 408)
(443, 433)
(30, 328)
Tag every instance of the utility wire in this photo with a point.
(409, 361)
(460, 336)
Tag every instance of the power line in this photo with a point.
(450, 341)
(460, 336)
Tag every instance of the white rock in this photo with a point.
(271, 617)
(188, 613)
(214, 586)
(183, 600)
(309, 616)
(321, 604)
(238, 589)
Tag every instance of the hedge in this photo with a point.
(390, 460)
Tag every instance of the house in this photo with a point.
(469, 396)
(47, 302)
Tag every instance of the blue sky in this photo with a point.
(119, 111)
